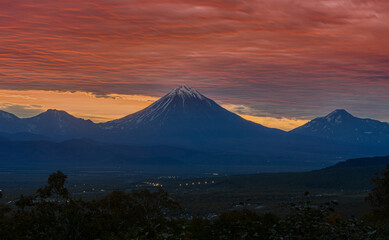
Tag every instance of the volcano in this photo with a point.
(186, 117)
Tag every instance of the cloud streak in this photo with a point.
(281, 58)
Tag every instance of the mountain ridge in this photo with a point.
(342, 126)
(185, 118)
(10, 116)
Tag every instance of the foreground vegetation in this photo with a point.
(53, 214)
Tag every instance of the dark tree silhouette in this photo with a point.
(378, 199)
(56, 187)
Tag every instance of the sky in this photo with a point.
(275, 62)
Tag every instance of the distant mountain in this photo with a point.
(50, 125)
(343, 127)
(59, 125)
(185, 117)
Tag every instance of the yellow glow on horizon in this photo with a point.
(103, 108)
(285, 124)
(80, 104)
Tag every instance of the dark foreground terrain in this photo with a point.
(339, 202)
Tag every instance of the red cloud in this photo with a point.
(274, 53)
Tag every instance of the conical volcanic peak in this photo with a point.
(184, 113)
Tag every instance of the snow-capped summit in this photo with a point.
(342, 126)
(182, 96)
(185, 92)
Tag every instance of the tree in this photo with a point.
(378, 199)
(56, 187)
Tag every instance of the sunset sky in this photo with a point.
(276, 62)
